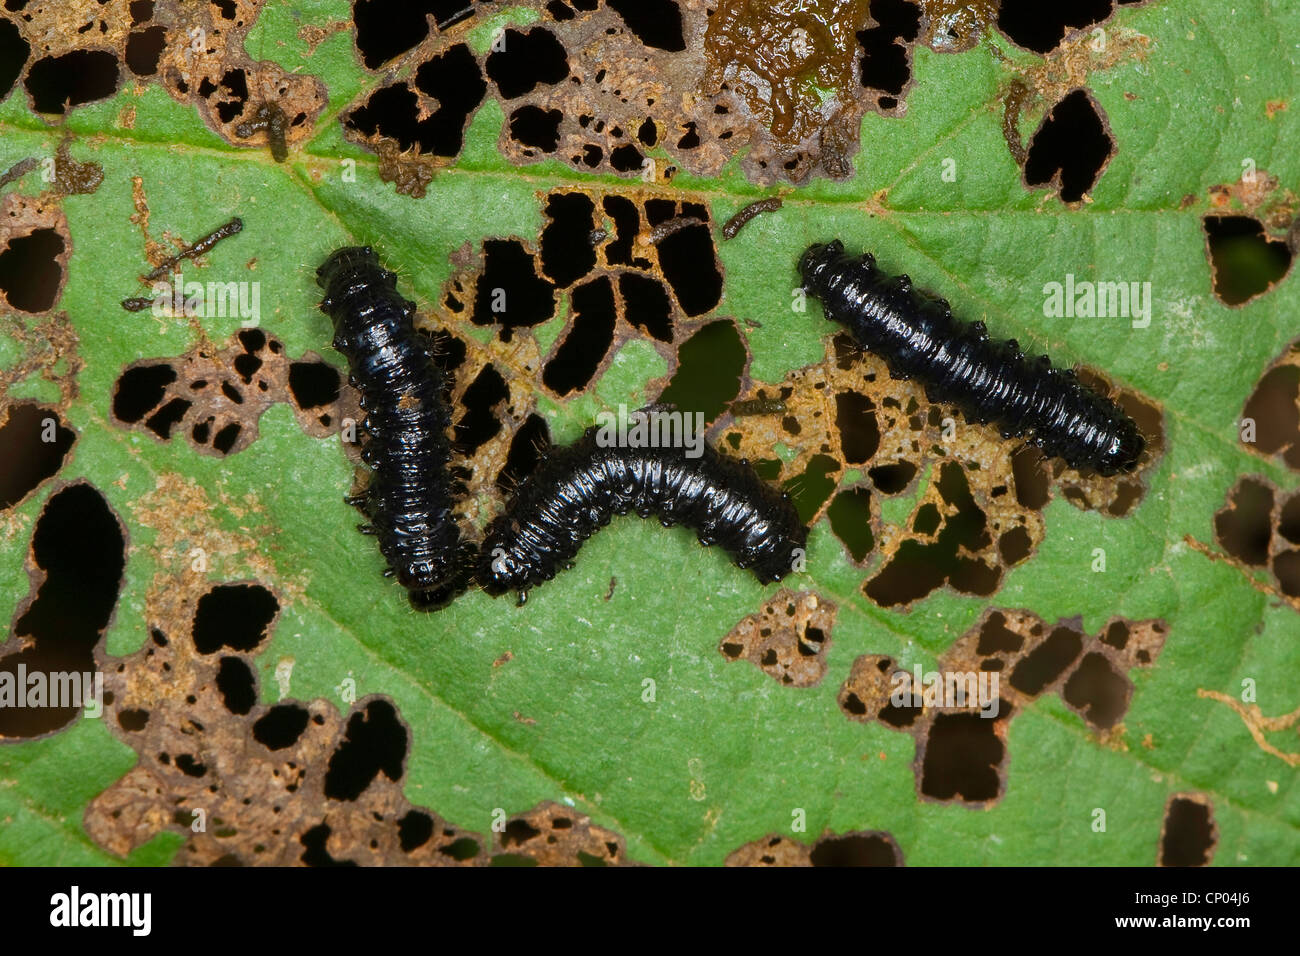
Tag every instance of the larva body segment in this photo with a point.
(578, 488)
(409, 499)
(959, 365)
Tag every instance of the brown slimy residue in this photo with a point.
(271, 118)
(71, 177)
(1012, 104)
(781, 54)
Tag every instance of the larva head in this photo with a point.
(831, 275)
(1124, 452)
(438, 588)
(423, 574)
(346, 272)
(816, 264)
(499, 569)
(343, 262)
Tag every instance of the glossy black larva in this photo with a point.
(987, 380)
(578, 488)
(409, 499)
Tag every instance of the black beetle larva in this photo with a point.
(987, 380)
(409, 499)
(578, 488)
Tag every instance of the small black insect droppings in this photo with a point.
(987, 380)
(580, 487)
(199, 248)
(757, 208)
(19, 169)
(409, 499)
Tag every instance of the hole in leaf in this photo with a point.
(646, 305)
(1244, 528)
(1046, 662)
(892, 479)
(813, 486)
(527, 446)
(850, 518)
(1189, 833)
(859, 431)
(237, 616)
(533, 126)
(855, 849)
(884, 58)
(14, 51)
(375, 742)
(414, 830)
(29, 270)
(656, 23)
(236, 685)
(690, 265)
(79, 545)
(313, 384)
(143, 50)
(526, 60)
(315, 852)
(710, 364)
(590, 335)
(1245, 261)
(57, 83)
(963, 756)
(33, 443)
(567, 253)
(1274, 410)
(1070, 147)
(509, 291)
(1097, 691)
(388, 28)
(281, 726)
(1041, 26)
(480, 423)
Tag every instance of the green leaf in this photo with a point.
(724, 754)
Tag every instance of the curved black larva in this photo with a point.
(988, 381)
(578, 488)
(409, 499)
